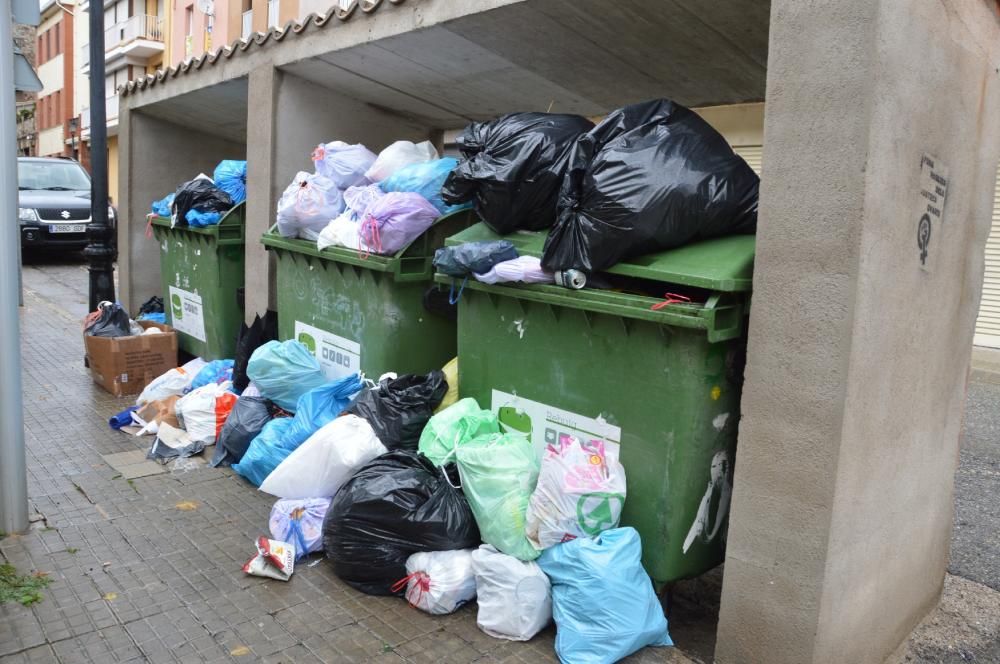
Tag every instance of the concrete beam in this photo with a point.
(859, 341)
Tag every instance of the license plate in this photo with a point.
(67, 228)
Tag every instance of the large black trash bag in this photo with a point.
(513, 167)
(394, 506)
(245, 422)
(650, 177)
(398, 408)
(113, 322)
(201, 194)
(250, 339)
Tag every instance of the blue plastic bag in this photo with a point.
(216, 371)
(284, 371)
(231, 177)
(154, 317)
(162, 207)
(265, 452)
(602, 600)
(319, 406)
(425, 179)
(122, 419)
(199, 219)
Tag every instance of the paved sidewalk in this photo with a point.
(149, 570)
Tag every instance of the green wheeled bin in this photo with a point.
(201, 269)
(366, 312)
(662, 380)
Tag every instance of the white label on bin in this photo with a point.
(186, 313)
(547, 425)
(338, 357)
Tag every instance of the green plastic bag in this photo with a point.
(499, 472)
(454, 426)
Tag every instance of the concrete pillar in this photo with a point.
(155, 157)
(287, 118)
(261, 201)
(878, 113)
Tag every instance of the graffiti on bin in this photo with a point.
(718, 483)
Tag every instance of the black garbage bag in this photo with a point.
(473, 257)
(650, 177)
(513, 167)
(394, 506)
(250, 339)
(113, 321)
(245, 421)
(153, 305)
(398, 409)
(199, 194)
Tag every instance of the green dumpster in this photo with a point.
(366, 313)
(201, 270)
(662, 382)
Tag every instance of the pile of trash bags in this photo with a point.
(203, 201)
(409, 491)
(375, 204)
(649, 177)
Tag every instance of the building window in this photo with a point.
(58, 45)
(189, 21)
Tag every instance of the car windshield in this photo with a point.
(52, 176)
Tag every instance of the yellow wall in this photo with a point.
(113, 169)
(741, 124)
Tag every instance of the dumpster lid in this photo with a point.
(722, 264)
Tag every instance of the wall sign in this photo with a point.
(930, 207)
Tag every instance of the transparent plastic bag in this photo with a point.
(439, 582)
(398, 155)
(343, 164)
(307, 206)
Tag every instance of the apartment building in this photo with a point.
(54, 62)
(135, 43)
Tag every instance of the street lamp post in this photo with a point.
(99, 252)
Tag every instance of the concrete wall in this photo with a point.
(155, 156)
(281, 137)
(858, 354)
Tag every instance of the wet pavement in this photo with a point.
(149, 570)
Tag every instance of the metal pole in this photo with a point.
(13, 477)
(99, 252)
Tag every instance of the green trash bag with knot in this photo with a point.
(455, 425)
(499, 472)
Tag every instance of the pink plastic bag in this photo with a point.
(395, 220)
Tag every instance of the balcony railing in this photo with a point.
(247, 24)
(110, 110)
(140, 26)
(273, 11)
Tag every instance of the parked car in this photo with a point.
(54, 203)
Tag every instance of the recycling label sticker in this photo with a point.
(547, 425)
(338, 357)
(186, 313)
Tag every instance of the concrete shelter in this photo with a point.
(863, 313)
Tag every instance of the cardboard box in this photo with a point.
(125, 365)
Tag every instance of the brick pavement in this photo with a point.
(137, 579)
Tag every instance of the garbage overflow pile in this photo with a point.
(204, 200)
(412, 492)
(376, 204)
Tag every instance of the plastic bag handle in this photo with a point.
(445, 473)
(452, 297)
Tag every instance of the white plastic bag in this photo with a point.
(319, 466)
(514, 597)
(342, 163)
(439, 582)
(580, 492)
(307, 206)
(203, 411)
(358, 199)
(341, 232)
(526, 269)
(399, 154)
(171, 383)
(300, 522)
